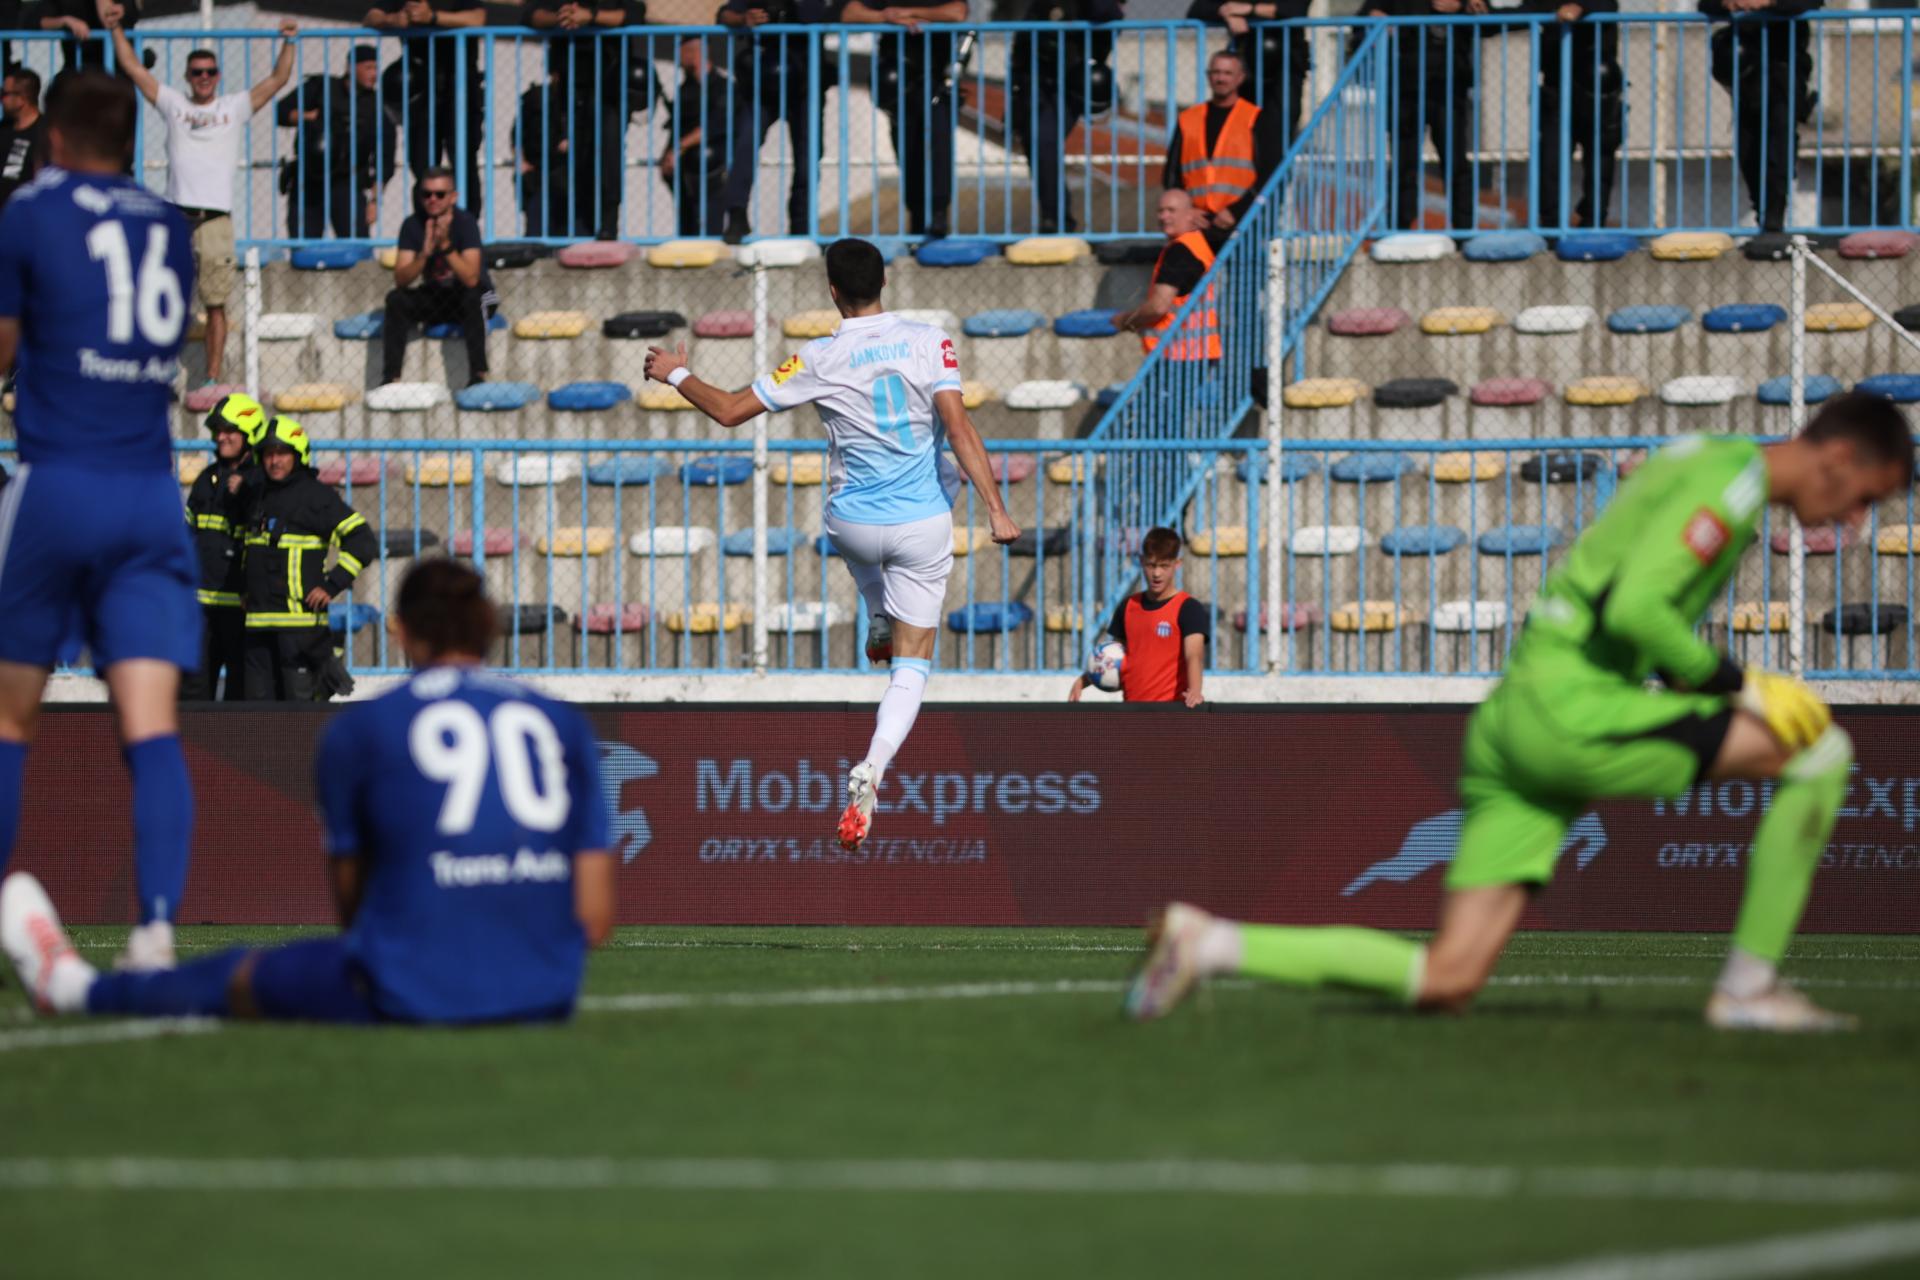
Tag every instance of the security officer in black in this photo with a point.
(1764, 57)
(916, 82)
(1585, 95)
(289, 648)
(216, 508)
(772, 81)
(341, 139)
(1434, 69)
(1058, 78)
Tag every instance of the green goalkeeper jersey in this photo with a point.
(1628, 596)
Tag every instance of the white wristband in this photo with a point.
(679, 376)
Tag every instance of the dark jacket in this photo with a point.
(217, 518)
(289, 528)
(349, 137)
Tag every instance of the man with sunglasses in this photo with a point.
(206, 131)
(439, 251)
(24, 146)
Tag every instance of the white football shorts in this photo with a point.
(901, 569)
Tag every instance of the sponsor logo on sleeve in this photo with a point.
(790, 366)
(1706, 535)
(947, 356)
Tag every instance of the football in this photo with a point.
(1104, 663)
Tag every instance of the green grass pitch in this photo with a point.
(967, 1103)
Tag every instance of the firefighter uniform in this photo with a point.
(215, 511)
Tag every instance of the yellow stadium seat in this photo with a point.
(658, 395)
(1322, 393)
(1605, 390)
(1047, 251)
(686, 253)
(314, 397)
(595, 540)
(1227, 540)
(1458, 320)
(1897, 539)
(1749, 619)
(188, 466)
(810, 324)
(1071, 470)
(968, 539)
(974, 394)
(798, 469)
(387, 255)
(439, 470)
(1064, 618)
(1369, 615)
(551, 324)
(1690, 246)
(1838, 317)
(1463, 465)
(706, 619)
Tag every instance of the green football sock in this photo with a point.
(1787, 845)
(1333, 955)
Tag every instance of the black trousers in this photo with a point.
(922, 131)
(1043, 118)
(433, 305)
(222, 646)
(779, 98)
(317, 198)
(699, 219)
(1768, 67)
(284, 665)
(1433, 95)
(1283, 61)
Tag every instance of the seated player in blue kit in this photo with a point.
(467, 837)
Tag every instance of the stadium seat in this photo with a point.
(189, 463)
(724, 324)
(552, 324)
(1002, 324)
(1553, 320)
(1825, 540)
(984, 617)
(1047, 251)
(1371, 468)
(1648, 319)
(348, 617)
(1509, 392)
(1042, 395)
(1897, 539)
(1054, 540)
(327, 257)
(794, 617)
(592, 254)
(1698, 390)
(286, 326)
(798, 469)
(968, 539)
(202, 399)
(387, 255)
(628, 469)
(1414, 393)
(974, 394)
(513, 255)
(1454, 616)
(1422, 540)
(609, 619)
(1863, 618)
(1322, 393)
(1128, 253)
(1748, 618)
(1520, 540)
(1464, 466)
(361, 328)
(1743, 317)
(537, 468)
(496, 323)
(740, 542)
(1224, 540)
(1878, 244)
(1838, 317)
(578, 397)
(1901, 388)
(1604, 390)
(672, 540)
(1412, 246)
(1094, 322)
(1013, 468)
(642, 324)
(1690, 246)
(408, 397)
(657, 397)
(1294, 467)
(1780, 390)
(781, 251)
(1366, 322)
(314, 397)
(595, 540)
(496, 397)
(494, 542)
(955, 253)
(362, 470)
(1908, 318)
(1109, 395)
(530, 619)
(824, 546)
(1460, 320)
(1292, 617)
(939, 318)
(811, 324)
(1595, 246)
(1070, 470)
(1564, 466)
(718, 470)
(1366, 616)
(1327, 540)
(439, 470)
(1769, 246)
(1503, 246)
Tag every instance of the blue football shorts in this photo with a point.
(317, 980)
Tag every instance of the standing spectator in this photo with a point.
(204, 137)
(23, 140)
(1433, 95)
(217, 506)
(772, 82)
(1764, 57)
(694, 163)
(1223, 150)
(1276, 57)
(1163, 630)
(83, 20)
(427, 84)
(341, 140)
(594, 67)
(1592, 109)
(1186, 257)
(544, 161)
(1057, 79)
(917, 83)
(439, 250)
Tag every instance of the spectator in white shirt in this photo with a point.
(205, 133)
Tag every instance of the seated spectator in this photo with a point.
(1765, 59)
(1186, 258)
(694, 164)
(437, 277)
(23, 138)
(340, 136)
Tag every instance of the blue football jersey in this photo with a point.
(466, 796)
(99, 272)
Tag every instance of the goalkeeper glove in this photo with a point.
(1787, 706)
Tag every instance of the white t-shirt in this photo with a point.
(873, 383)
(203, 146)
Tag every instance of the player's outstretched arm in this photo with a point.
(130, 65)
(972, 457)
(264, 92)
(728, 408)
(593, 895)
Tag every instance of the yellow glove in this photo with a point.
(1789, 708)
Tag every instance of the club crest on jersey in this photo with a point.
(1706, 536)
(790, 366)
(947, 356)
(1163, 629)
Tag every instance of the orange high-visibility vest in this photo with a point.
(1216, 181)
(1199, 337)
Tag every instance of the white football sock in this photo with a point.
(1219, 949)
(1745, 975)
(899, 705)
(68, 983)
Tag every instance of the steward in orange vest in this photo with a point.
(1188, 253)
(1223, 150)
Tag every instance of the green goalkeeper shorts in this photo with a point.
(1549, 742)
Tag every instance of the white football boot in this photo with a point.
(1781, 1009)
(149, 948)
(1172, 963)
(863, 784)
(55, 977)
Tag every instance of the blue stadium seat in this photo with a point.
(586, 396)
(1503, 246)
(496, 323)
(350, 616)
(361, 328)
(1901, 388)
(1423, 540)
(1780, 390)
(1743, 317)
(1520, 540)
(1095, 322)
(718, 469)
(740, 542)
(1371, 467)
(1109, 394)
(986, 617)
(628, 468)
(496, 397)
(955, 253)
(1002, 324)
(1649, 319)
(328, 257)
(890, 247)
(1595, 246)
(824, 545)
(1294, 467)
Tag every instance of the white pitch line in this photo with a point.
(649, 1002)
(1816, 1253)
(1269, 1179)
(60, 1037)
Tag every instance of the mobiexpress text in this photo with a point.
(735, 787)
